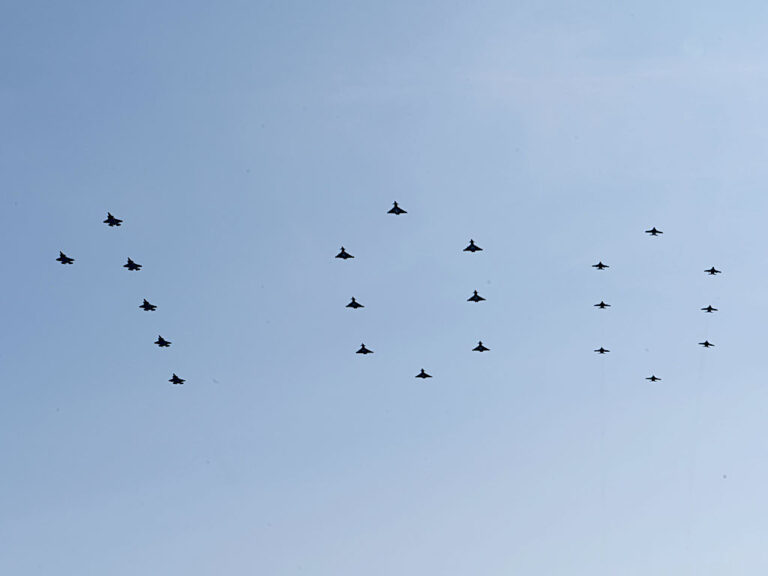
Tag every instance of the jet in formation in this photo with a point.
(654, 232)
(131, 265)
(64, 259)
(480, 347)
(475, 297)
(364, 350)
(712, 271)
(396, 210)
(601, 350)
(355, 304)
(162, 342)
(423, 374)
(706, 344)
(600, 266)
(709, 309)
(147, 307)
(112, 221)
(603, 305)
(653, 378)
(472, 247)
(344, 254)
(176, 380)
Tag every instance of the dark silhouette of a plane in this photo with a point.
(475, 297)
(472, 247)
(706, 344)
(64, 259)
(654, 232)
(712, 271)
(364, 350)
(601, 350)
(131, 265)
(162, 342)
(600, 266)
(603, 305)
(344, 254)
(709, 309)
(176, 380)
(354, 304)
(147, 307)
(396, 210)
(112, 221)
(480, 347)
(423, 374)
(653, 378)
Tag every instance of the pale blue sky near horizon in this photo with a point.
(243, 143)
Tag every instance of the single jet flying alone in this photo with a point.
(344, 254)
(364, 350)
(602, 305)
(64, 259)
(706, 344)
(480, 347)
(600, 266)
(653, 378)
(131, 265)
(475, 297)
(147, 307)
(112, 221)
(654, 232)
(396, 210)
(176, 380)
(601, 350)
(162, 342)
(354, 304)
(472, 247)
(423, 374)
(709, 309)
(712, 271)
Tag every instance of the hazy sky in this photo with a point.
(243, 143)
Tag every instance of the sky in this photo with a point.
(243, 143)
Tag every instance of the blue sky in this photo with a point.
(243, 143)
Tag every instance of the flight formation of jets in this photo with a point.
(708, 309)
(132, 266)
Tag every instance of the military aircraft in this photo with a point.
(355, 304)
(712, 271)
(131, 265)
(475, 297)
(176, 380)
(472, 247)
(344, 254)
(64, 259)
(112, 221)
(364, 350)
(480, 347)
(602, 305)
(423, 374)
(162, 342)
(653, 378)
(396, 210)
(706, 344)
(148, 307)
(654, 232)
(600, 266)
(601, 350)
(709, 309)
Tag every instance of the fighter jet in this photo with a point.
(709, 309)
(396, 210)
(654, 232)
(472, 247)
(475, 297)
(64, 259)
(712, 271)
(601, 350)
(423, 374)
(602, 305)
(344, 254)
(176, 380)
(480, 348)
(653, 378)
(600, 266)
(112, 221)
(147, 307)
(706, 344)
(131, 265)
(162, 342)
(355, 304)
(364, 350)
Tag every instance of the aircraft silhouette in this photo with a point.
(112, 221)
(601, 350)
(176, 380)
(396, 210)
(344, 254)
(712, 271)
(480, 347)
(162, 342)
(709, 309)
(475, 297)
(147, 307)
(600, 266)
(654, 232)
(473, 247)
(706, 344)
(653, 378)
(354, 304)
(64, 259)
(423, 374)
(131, 265)
(602, 305)
(364, 350)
